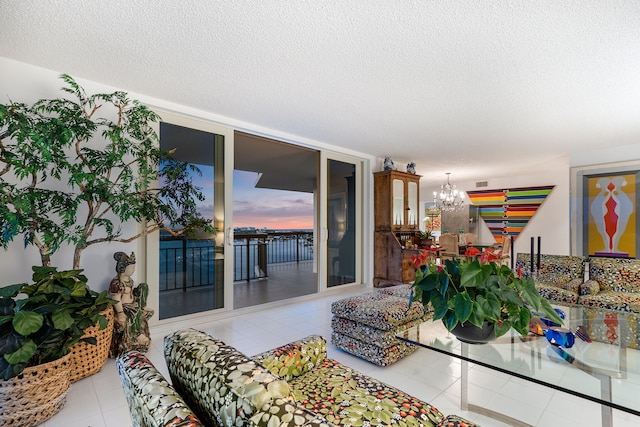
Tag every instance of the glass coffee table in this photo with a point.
(602, 372)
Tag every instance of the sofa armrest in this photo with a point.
(226, 388)
(590, 287)
(152, 401)
(294, 359)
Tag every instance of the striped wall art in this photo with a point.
(507, 212)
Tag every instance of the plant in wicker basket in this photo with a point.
(40, 322)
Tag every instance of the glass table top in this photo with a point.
(602, 372)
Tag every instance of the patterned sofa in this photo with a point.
(559, 277)
(292, 385)
(609, 300)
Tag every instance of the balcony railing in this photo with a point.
(186, 263)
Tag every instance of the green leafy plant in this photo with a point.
(71, 176)
(425, 235)
(477, 291)
(40, 322)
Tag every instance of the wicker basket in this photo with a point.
(87, 359)
(36, 395)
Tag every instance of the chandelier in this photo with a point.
(449, 199)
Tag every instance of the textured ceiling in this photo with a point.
(476, 88)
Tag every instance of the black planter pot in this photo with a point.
(471, 334)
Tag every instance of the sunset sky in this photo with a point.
(258, 207)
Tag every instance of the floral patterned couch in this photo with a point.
(293, 385)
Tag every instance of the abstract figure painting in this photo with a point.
(612, 211)
(605, 202)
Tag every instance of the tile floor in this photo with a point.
(98, 401)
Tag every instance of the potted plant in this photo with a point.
(39, 324)
(425, 238)
(480, 293)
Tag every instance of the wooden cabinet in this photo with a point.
(397, 217)
(396, 200)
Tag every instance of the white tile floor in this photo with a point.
(98, 401)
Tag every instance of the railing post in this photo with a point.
(248, 269)
(297, 249)
(184, 265)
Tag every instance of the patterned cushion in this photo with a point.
(369, 334)
(152, 401)
(573, 285)
(616, 274)
(557, 294)
(379, 310)
(590, 287)
(294, 359)
(381, 356)
(346, 397)
(225, 387)
(402, 291)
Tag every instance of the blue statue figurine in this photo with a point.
(388, 164)
(411, 168)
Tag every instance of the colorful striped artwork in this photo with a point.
(507, 212)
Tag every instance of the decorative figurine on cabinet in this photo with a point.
(411, 168)
(131, 328)
(388, 164)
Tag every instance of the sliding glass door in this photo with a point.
(189, 270)
(342, 222)
(298, 209)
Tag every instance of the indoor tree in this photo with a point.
(75, 168)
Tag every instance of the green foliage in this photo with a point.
(425, 234)
(70, 176)
(476, 292)
(41, 321)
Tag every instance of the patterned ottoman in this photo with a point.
(366, 325)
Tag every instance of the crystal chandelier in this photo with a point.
(449, 199)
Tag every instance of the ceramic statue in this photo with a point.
(131, 328)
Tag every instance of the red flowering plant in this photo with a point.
(420, 260)
(477, 290)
